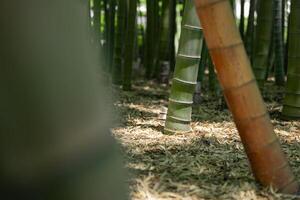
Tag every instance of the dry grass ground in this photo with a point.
(209, 163)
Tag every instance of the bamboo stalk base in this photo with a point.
(174, 126)
(290, 113)
(173, 132)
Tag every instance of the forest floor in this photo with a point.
(208, 163)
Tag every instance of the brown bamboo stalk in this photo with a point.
(267, 160)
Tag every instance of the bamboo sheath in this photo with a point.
(267, 160)
(186, 71)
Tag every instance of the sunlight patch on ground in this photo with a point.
(208, 163)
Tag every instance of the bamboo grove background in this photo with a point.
(163, 41)
(58, 116)
(142, 39)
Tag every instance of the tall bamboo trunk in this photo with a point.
(156, 36)
(242, 18)
(201, 73)
(291, 107)
(203, 62)
(212, 78)
(117, 68)
(150, 45)
(172, 32)
(186, 70)
(111, 32)
(129, 44)
(262, 40)
(96, 22)
(233, 4)
(243, 97)
(163, 64)
(278, 43)
(106, 35)
(140, 33)
(249, 38)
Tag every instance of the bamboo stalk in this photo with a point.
(185, 75)
(96, 21)
(163, 63)
(278, 42)
(111, 32)
(249, 38)
(291, 107)
(117, 67)
(212, 78)
(172, 32)
(242, 18)
(150, 46)
(129, 45)
(262, 40)
(201, 73)
(224, 42)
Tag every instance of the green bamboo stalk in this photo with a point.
(278, 43)
(200, 77)
(129, 44)
(172, 32)
(203, 62)
(156, 34)
(233, 4)
(96, 21)
(111, 32)
(106, 35)
(287, 44)
(249, 38)
(141, 36)
(201, 72)
(262, 40)
(90, 8)
(283, 12)
(271, 58)
(117, 67)
(163, 64)
(242, 18)
(212, 78)
(291, 105)
(185, 75)
(150, 47)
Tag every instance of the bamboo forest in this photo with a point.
(150, 99)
